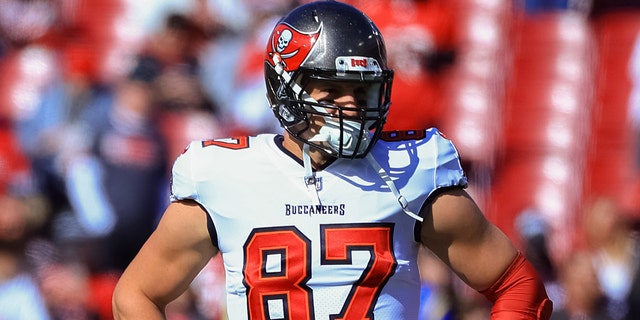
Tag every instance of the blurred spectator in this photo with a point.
(615, 254)
(179, 127)
(174, 47)
(21, 216)
(66, 102)
(66, 291)
(227, 24)
(54, 84)
(235, 63)
(170, 62)
(16, 176)
(20, 295)
(583, 298)
(438, 300)
(534, 233)
(421, 45)
(185, 112)
(66, 283)
(116, 173)
(23, 22)
(92, 139)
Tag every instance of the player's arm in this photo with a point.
(165, 266)
(455, 229)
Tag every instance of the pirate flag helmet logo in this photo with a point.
(290, 46)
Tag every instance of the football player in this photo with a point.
(325, 221)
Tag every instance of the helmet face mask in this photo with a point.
(333, 42)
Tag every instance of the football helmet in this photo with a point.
(329, 41)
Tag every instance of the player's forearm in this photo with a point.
(519, 294)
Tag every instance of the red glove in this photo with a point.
(519, 294)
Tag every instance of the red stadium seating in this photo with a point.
(611, 169)
(471, 97)
(546, 183)
(546, 124)
(547, 105)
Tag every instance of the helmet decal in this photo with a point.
(290, 45)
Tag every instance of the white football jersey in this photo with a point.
(286, 256)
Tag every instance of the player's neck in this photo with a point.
(318, 158)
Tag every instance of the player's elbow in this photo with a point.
(130, 303)
(119, 302)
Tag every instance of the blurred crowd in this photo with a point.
(98, 97)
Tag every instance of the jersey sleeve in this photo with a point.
(448, 167)
(182, 183)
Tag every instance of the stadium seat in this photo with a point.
(546, 124)
(611, 168)
(551, 117)
(546, 183)
(471, 97)
(472, 115)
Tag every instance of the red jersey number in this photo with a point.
(277, 268)
(338, 243)
(235, 143)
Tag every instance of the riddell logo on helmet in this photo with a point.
(359, 63)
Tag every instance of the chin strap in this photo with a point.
(279, 68)
(309, 176)
(387, 179)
